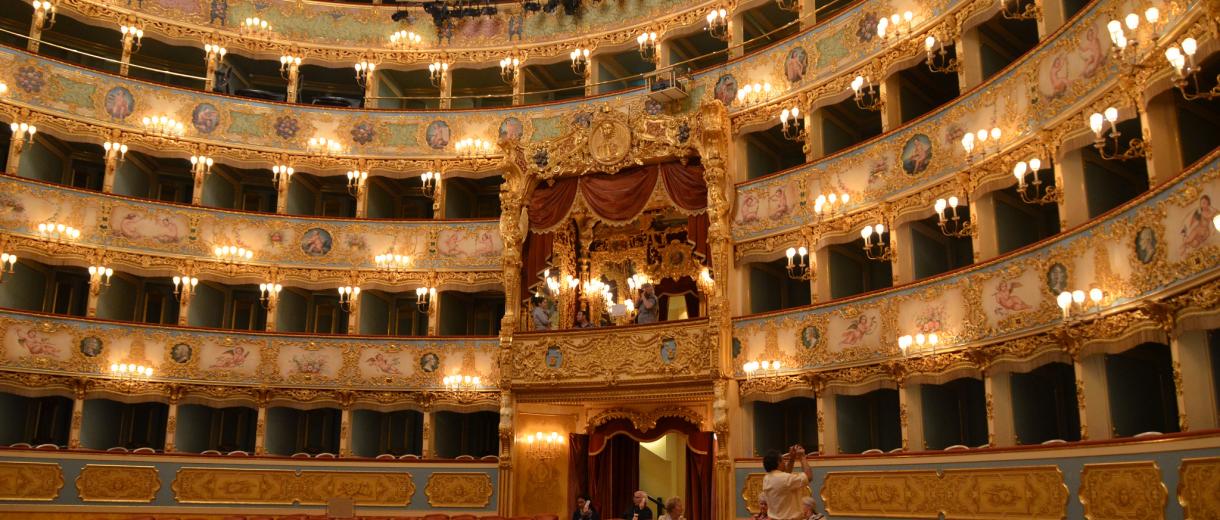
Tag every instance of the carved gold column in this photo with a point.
(565, 262)
(370, 89)
(345, 424)
(129, 40)
(446, 89)
(506, 451)
(171, 420)
(514, 191)
(263, 395)
(78, 412)
(426, 450)
(713, 145)
(112, 165)
(40, 19)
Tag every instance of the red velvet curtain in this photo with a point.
(538, 249)
(578, 468)
(696, 233)
(614, 474)
(617, 197)
(699, 476)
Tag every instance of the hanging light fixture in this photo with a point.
(114, 151)
(649, 46)
(877, 248)
(437, 71)
(44, 13)
(1186, 73)
(324, 146)
(424, 297)
(938, 59)
(355, 181)
(403, 39)
(280, 175)
(580, 60)
(269, 294)
(184, 287)
(348, 296)
(164, 125)
(1102, 140)
(8, 262)
(132, 33)
(364, 71)
(950, 223)
(431, 183)
(289, 65)
(792, 124)
(99, 277)
(56, 232)
(866, 94)
(24, 133)
(718, 23)
(1032, 192)
(201, 165)
(256, 27)
(800, 267)
(510, 66)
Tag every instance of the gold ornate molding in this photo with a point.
(30, 481)
(1122, 490)
(1198, 491)
(466, 490)
(751, 489)
(266, 486)
(111, 483)
(645, 421)
(1032, 492)
(614, 356)
(612, 139)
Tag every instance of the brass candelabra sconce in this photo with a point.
(1107, 143)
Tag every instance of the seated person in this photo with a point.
(673, 509)
(584, 509)
(639, 508)
(582, 321)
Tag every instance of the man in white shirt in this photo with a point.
(782, 488)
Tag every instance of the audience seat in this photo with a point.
(386, 456)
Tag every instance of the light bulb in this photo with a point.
(1111, 114)
(1078, 296)
(1064, 300)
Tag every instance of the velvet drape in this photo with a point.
(578, 468)
(618, 197)
(538, 249)
(699, 477)
(614, 474)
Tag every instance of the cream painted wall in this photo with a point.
(663, 466)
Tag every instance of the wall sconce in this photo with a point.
(1126, 47)
(232, 254)
(256, 27)
(437, 71)
(471, 147)
(539, 446)
(114, 151)
(1097, 122)
(580, 60)
(754, 93)
(281, 175)
(707, 283)
(1186, 74)
(3, 88)
(461, 382)
(1032, 192)
(132, 35)
(23, 133)
(509, 68)
(984, 140)
(792, 6)
(799, 265)
(649, 45)
(895, 26)
(794, 130)
(718, 24)
(424, 297)
(164, 126)
(8, 262)
(355, 181)
(269, 294)
(1020, 9)
(184, 287)
(404, 39)
(130, 371)
(324, 146)
(1079, 301)
(827, 205)
(364, 72)
(866, 93)
(289, 65)
(392, 262)
(918, 341)
(938, 59)
(950, 223)
(431, 186)
(1215, 224)
(99, 277)
(348, 297)
(44, 13)
(880, 248)
(760, 368)
(214, 51)
(201, 165)
(58, 233)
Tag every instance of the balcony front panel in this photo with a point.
(150, 228)
(1157, 246)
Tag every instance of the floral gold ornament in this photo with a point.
(114, 483)
(1123, 489)
(30, 481)
(459, 490)
(1034, 492)
(197, 485)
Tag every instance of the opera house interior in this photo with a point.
(500, 259)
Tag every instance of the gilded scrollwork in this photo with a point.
(115, 483)
(1123, 490)
(464, 490)
(1025, 492)
(196, 485)
(30, 481)
(629, 355)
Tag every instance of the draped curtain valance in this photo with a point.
(617, 198)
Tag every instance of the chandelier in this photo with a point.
(404, 39)
(164, 125)
(132, 34)
(23, 133)
(471, 147)
(1126, 44)
(877, 248)
(424, 298)
(355, 181)
(950, 223)
(649, 46)
(866, 94)
(289, 65)
(510, 67)
(184, 287)
(828, 204)
(114, 151)
(983, 140)
(269, 294)
(1078, 301)
(431, 183)
(130, 371)
(794, 130)
(256, 27)
(895, 26)
(1103, 140)
(1032, 192)
(59, 233)
(718, 24)
(918, 341)
(232, 254)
